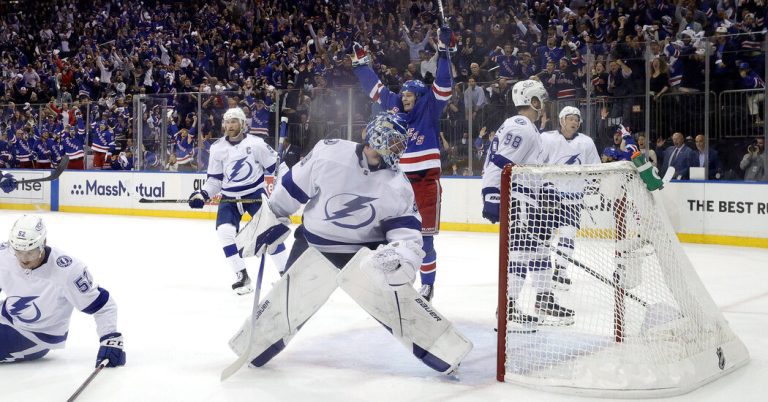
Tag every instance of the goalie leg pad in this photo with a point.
(290, 303)
(410, 318)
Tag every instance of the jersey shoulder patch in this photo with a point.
(64, 261)
(3, 245)
(330, 141)
(520, 121)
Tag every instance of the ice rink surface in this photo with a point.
(177, 312)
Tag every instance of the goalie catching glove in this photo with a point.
(359, 55)
(394, 264)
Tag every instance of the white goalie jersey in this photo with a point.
(237, 169)
(39, 303)
(348, 205)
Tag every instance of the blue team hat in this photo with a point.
(744, 66)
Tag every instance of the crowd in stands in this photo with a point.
(71, 70)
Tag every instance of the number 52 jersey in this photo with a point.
(39, 303)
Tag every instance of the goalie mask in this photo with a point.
(386, 134)
(236, 113)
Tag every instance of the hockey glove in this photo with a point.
(491, 202)
(111, 348)
(198, 199)
(549, 198)
(7, 182)
(446, 40)
(359, 55)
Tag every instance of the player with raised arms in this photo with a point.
(236, 169)
(518, 142)
(356, 200)
(42, 285)
(567, 146)
(422, 107)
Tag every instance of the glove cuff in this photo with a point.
(110, 336)
(205, 195)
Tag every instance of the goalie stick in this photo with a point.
(60, 168)
(88, 380)
(237, 364)
(232, 368)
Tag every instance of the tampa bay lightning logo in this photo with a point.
(569, 160)
(23, 308)
(350, 211)
(239, 171)
(64, 261)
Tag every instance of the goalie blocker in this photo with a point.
(311, 280)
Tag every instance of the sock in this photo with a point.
(429, 263)
(226, 233)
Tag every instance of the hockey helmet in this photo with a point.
(415, 86)
(568, 111)
(236, 113)
(387, 135)
(28, 233)
(523, 93)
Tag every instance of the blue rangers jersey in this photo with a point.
(348, 205)
(39, 302)
(237, 169)
(423, 149)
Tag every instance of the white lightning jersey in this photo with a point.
(517, 141)
(38, 303)
(579, 150)
(237, 169)
(348, 205)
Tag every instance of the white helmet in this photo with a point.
(570, 110)
(524, 91)
(236, 113)
(28, 233)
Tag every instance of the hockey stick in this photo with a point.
(184, 201)
(237, 364)
(60, 168)
(88, 380)
(583, 266)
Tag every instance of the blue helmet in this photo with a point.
(387, 135)
(415, 86)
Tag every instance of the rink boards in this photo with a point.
(733, 213)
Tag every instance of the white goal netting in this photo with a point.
(600, 297)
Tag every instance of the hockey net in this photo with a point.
(641, 322)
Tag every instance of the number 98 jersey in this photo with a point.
(39, 303)
(518, 142)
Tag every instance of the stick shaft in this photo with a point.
(88, 380)
(237, 364)
(184, 201)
